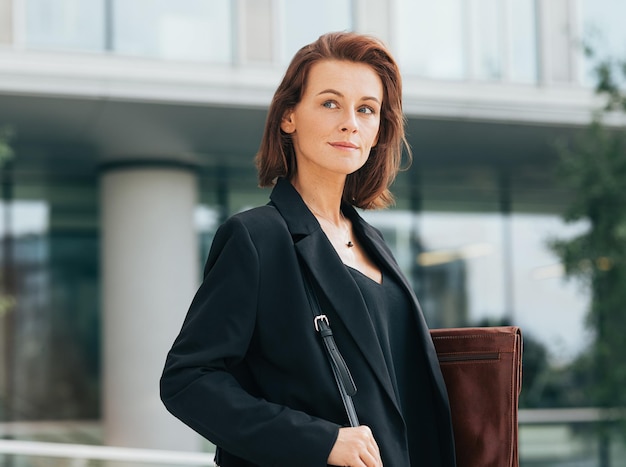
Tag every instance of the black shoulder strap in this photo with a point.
(344, 380)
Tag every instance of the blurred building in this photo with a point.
(136, 122)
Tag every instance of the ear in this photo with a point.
(288, 124)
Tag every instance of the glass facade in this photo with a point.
(449, 39)
(184, 30)
(476, 268)
(49, 299)
(485, 40)
(69, 24)
(431, 37)
(304, 21)
(602, 29)
(524, 44)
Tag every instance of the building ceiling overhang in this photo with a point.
(85, 109)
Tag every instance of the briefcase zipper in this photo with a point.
(468, 357)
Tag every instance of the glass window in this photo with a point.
(547, 307)
(468, 39)
(523, 58)
(504, 31)
(66, 24)
(486, 38)
(473, 242)
(458, 260)
(551, 308)
(49, 306)
(430, 38)
(304, 21)
(603, 28)
(181, 30)
(472, 265)
(24, 218)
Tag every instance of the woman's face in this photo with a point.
(335, 124)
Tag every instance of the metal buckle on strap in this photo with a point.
(320, 318)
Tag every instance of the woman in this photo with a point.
(248, 370)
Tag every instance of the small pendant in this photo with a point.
(349, 244)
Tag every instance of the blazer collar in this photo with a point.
(302, 223)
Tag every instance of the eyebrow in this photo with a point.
(337, 93)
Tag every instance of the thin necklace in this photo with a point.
(349, 243)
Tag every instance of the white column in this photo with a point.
(149, 274)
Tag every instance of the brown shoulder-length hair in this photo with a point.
(368, 187)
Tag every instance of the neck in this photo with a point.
(323, 197)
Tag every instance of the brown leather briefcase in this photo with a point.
(482, 368)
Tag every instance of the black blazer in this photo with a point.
(248, 370)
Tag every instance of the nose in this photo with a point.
(350, 125)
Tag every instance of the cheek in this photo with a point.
(372, 134)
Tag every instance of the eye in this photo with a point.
(366, 109)
(330, 104)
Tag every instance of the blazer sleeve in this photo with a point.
(198, 385)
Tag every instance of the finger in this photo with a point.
(371, 460)
(372, 445)
(373, 451)
(373, 448)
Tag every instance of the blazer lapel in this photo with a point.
(333, 278)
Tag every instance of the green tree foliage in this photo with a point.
(594, 168)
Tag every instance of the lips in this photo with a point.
(344, 145)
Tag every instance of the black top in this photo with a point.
(393, 320)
